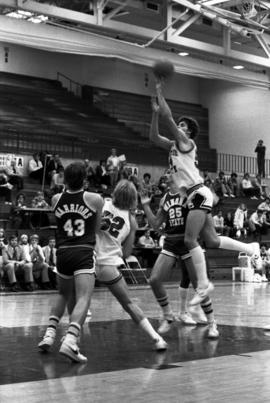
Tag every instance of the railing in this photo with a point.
(24, 143)
(240, 164)
(69, 84)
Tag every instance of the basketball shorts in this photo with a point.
(74, 261)
(200, 199)
(108, 274)
(174, 247)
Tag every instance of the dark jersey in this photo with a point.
(176, 212)
(76, 220)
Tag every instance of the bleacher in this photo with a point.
(39, 114)
(135, 112)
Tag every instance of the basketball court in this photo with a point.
(122, 365)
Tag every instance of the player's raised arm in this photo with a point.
(154, 134)
(154, 221)
(165, 112)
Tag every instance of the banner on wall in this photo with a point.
(134, 169)
(5, 160)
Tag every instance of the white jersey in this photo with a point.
(183, 166)
(115, 229)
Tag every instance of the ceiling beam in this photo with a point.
(117, 28)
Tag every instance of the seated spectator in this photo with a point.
(219, 222)
(265, 262)
(53, 166)
(146, 185)
(102, 176)
(40, 267)
(14, 263)
(233, 184)
(39, 218)
(50, 258)
(228, 224)
(35, 168)
(147, 244)
(248, 189)
(24, 243)
(5, 188)
(258, 224)
(3, 244)
(240, 221)
(265, 205)
(146, 240)
(57, 182)
(141, 219)
(221, 187)
(18, 217)
(14, 175)
(256, 183)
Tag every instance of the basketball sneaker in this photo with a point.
(187, 319)
(201, 294)
(160, 344)
(166, 324)
(213, 332)
(199, 315)
(264, 279)
(47, 341)
(256, 259)
(71, 350)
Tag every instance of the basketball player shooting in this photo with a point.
(184, 167)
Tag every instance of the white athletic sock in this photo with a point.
(233, 244)
(183, 293)
(73, 332)
(148, 328)
(198, 260)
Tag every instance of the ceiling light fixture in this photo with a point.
(183, 53)
(238, 67)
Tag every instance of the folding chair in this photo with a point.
(133, 263)
(127, 273)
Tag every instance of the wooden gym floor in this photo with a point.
(122, 367)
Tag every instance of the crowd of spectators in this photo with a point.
(48, 171)
(25, 265)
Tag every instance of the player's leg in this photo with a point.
(65, 288)
(212, 240)
(196, 220)
(84, 283)
(184, 314)
(159, 274)
(206, 304)
(118, 287)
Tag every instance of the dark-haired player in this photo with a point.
(183, 165)
(78, 215)
(173, 213)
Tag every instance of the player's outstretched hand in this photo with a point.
(145, 199)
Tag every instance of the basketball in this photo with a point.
(163, 69)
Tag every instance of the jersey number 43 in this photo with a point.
(74, 228)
